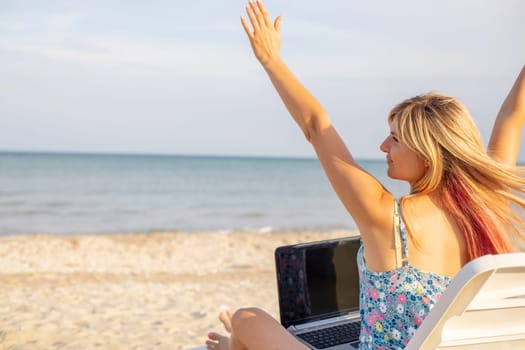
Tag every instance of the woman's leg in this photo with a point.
(252, 329)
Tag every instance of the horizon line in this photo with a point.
(159, 154)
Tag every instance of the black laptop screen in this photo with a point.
(317, 280)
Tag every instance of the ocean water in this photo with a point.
(93, 193)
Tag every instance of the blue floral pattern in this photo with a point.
(393, 304)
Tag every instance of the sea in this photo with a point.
(70, 193)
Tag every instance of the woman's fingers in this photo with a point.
(257, 13)
(247, 28)
(277, 24)
(259, 16)
(263, 34)
(253, 18)
(264, 12)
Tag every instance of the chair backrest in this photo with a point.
(482, 308)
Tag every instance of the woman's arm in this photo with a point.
(364, 197)
(505, 140)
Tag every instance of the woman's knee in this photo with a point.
(254, 327)
(247, 314)
(246, 318)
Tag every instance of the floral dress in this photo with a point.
(393, 304)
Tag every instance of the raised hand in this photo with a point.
(265, 37)
(505, 141)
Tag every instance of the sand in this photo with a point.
(133, 291)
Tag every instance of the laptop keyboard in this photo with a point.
(332, 336)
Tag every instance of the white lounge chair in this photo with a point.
(482, 308)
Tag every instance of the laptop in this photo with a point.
(318, 289)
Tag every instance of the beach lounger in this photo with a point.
(482, 308)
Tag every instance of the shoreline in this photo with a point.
(134, 290)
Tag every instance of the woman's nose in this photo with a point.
(385, 146)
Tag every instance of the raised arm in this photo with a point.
(364, 197)
(505, 140)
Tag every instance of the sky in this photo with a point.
(179, 77)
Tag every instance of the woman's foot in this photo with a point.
(217, 341)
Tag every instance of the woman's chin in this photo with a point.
(393, 175)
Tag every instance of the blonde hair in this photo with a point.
(474, 188)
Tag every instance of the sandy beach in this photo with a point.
(133, 291)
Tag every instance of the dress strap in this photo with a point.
(400, 236)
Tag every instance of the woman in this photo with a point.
(458, 208)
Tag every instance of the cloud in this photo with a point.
(127, 42)
(182, 59)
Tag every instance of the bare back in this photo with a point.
(435, 241)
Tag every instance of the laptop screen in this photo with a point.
(317, 280)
